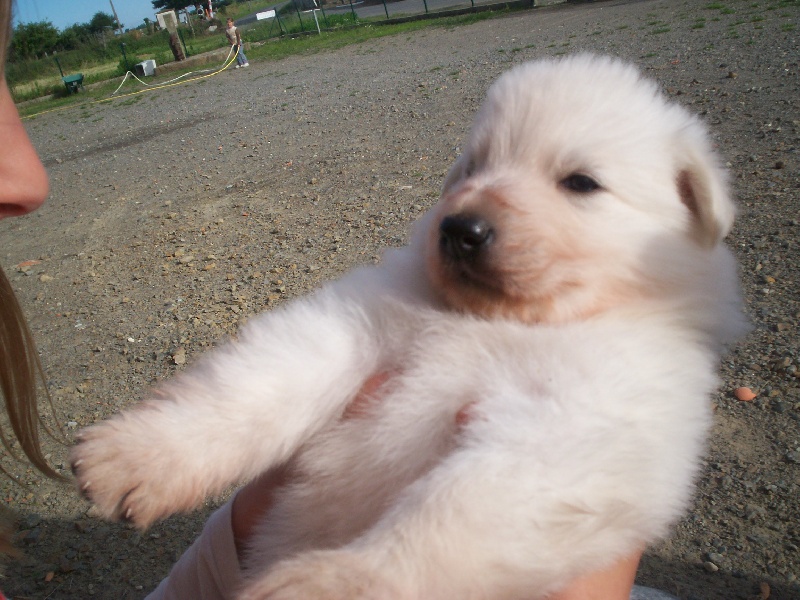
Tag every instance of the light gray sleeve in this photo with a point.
(209, 569)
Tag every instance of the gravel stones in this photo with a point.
(175, 218)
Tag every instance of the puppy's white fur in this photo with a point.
(582, 335)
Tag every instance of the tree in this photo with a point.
(175, 5)
(33, 39)
(74, 36)
(101, 21)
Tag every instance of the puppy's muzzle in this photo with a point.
(464, 237)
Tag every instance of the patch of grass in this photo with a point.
(511, 50)
(332, 40)
(273, 50)
(131, 100)
(661, 30)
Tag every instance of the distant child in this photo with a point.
(235, 39)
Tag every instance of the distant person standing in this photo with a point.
(235, 39)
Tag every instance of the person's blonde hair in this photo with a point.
(20, 372)
(5, 31)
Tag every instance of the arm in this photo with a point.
(245, 408)
(210, 568)
(248, 406)
(613, 583)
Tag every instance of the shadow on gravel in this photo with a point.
(688, 581)
(139, 136)
(59, 557)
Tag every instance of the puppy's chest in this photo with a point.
(530, 374)
(474, 386)
(450, 374)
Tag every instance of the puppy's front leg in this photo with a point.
(244, 408)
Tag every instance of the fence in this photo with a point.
(101, 62)
(293, 18)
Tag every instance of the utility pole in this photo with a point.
(116, 18)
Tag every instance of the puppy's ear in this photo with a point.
(702, 186)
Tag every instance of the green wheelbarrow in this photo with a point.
(73, 82)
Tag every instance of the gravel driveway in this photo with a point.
(176, 214)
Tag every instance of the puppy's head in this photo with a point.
(578, 189)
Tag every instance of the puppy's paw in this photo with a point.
(325, 575)
(130, 474)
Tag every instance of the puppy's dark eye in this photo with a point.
(580, 183)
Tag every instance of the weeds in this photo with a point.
(273, 50)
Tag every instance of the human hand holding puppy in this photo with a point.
(534, 325)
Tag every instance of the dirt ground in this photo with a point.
(175, 214)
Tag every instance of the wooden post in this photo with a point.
(116, 18)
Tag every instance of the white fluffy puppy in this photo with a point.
(570, 288)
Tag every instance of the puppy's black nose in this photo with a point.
(463, 237)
